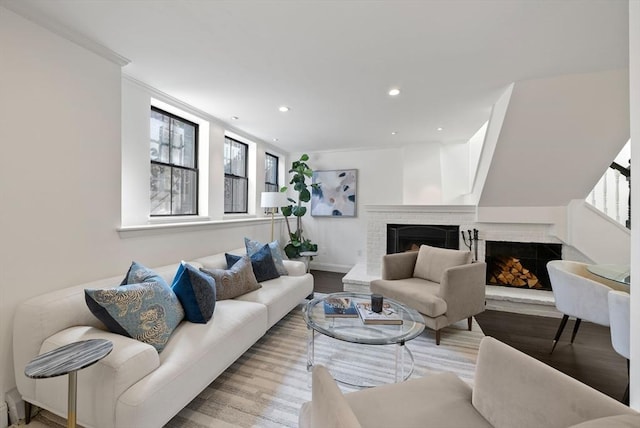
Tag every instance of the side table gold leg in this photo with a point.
(73, 396)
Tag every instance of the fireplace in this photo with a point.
(520, 264)
(409, 237)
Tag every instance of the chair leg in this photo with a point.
(625, 398)
(27, 412)
(437, 337)
(469, 322)
(563, 323)
(575, 329)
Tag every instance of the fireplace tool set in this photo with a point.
(472, 244)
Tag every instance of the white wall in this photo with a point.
(552, 128)
(455, 171)
(421, 175)
(634, 96)
(494, 127)
(586, 228)
(60, 177)
(342, 241)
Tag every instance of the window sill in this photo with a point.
(186, 226)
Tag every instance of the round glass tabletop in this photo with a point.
(617, 273)
(352, 329)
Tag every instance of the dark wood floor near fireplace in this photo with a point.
(591, 359)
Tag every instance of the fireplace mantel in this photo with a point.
(421, 208)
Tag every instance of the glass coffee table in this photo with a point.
(353, 330)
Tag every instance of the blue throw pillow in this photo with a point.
(147, 312)
(262, 263)
(197, 293)
(137, 274)
(253, 247)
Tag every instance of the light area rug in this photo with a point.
(267, 385)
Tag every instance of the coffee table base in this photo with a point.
(399, 372)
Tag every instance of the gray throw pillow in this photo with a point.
(433, 261)
(234, 282)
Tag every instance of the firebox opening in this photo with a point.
(520, 264)
(409, 237)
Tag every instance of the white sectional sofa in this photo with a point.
(134, 386)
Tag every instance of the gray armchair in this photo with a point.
(443, 285)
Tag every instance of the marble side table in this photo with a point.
(68, 359)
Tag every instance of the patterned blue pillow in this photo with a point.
(147, 312)
(253, 247)
(137, 274)
(197, 293)
(262, 263)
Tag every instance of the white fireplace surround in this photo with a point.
(379, 216)
(536, 302)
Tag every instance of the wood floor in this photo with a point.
(590, 359)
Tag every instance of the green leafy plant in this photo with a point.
(300, 172)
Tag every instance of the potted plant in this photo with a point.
(300, 172)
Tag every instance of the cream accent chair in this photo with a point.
(579, 294)
(442, 284)
(510, 389)
(620, 320)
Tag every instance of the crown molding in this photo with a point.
(29, 12)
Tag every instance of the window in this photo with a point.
(235, 176)
(271, 173)
(174, 172)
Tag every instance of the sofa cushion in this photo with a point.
(261, 262)
(411, 292)
(432, 262)
(234, 282)
(196, 292)
(437, 400)
(280, 295)
(148, 312)
(254, 246)
(619, 421)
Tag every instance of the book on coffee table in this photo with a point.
(340, 307)
(387, 316)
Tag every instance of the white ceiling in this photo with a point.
(332, 62)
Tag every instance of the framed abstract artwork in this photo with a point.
(335, 195)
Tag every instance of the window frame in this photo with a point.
(236, 178)
(268, 155)
(195, 168)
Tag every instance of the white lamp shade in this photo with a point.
(272, 200)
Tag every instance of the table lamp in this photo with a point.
(271, 201)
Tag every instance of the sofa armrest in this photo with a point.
(294, 267)
(399, 265)
(464, 285)
(512, 389)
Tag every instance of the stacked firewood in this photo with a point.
(509, 271)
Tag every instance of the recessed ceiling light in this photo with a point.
(283, 109)
(439, 129)
(395, 91)
(235, 117)
(275, 140)
(394, 133)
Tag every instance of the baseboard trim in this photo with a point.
(330, 267)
